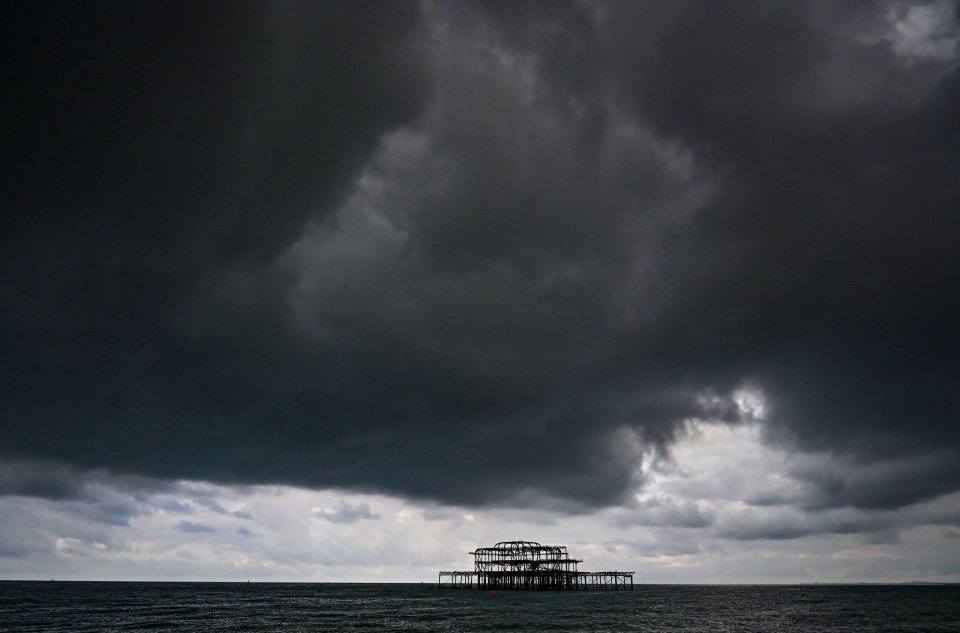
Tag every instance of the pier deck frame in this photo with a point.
(581, 580)
(529, 565)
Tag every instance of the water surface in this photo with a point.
(122, 606)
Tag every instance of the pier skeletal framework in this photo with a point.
(529, 565)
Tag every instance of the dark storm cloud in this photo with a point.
(481, 253)
(875, 525)
(100, 496)
(64, 483)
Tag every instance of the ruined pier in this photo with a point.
(529, 565)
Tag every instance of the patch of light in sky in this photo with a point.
(751, 403)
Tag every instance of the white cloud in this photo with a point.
(723, 508)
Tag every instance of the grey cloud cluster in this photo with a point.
(668, 513)
(189, 527)
(726, 485)
(99, 515)
(346, 512)
(461, 252)
(96, 495)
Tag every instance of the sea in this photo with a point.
(148, 606)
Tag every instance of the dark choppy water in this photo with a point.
(91, 606)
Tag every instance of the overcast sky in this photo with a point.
(320, 291)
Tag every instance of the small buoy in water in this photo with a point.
(248, 582)
(493, 593)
